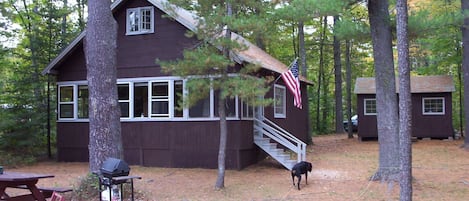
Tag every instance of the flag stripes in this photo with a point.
(292, 82)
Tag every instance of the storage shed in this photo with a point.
(431, 106)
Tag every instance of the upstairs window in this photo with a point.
(433, 106)
(140, 20)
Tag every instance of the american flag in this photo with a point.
(292, 81)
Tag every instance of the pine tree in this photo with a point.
(208, 66)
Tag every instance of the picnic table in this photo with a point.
(22, 180)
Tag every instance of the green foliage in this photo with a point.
(11, 159)
(207, 65)
(41, 35)
(87, 187)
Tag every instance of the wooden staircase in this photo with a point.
(278, 143)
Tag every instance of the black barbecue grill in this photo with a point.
(114, 167)
(115, 172)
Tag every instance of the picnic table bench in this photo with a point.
(27, 181)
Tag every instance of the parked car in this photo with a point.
(354, 124)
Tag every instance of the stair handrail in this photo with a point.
(283, 137)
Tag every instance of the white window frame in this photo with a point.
(154, 98)
(247, 111)
(148, 117)
(140, 30)
(77, 99)
(433, 98)
(282, 111)
(131, 109)
(73, 102)
(365, 101)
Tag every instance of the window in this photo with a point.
(247, 111)
(433, 106)
(230, 106)
(123, 91)
(148, 99)
(159, 99)
(140, 99)
(83, 101)
(140, 20)
(370, 106)
(177, 100)
(66, 102)
(280, 110)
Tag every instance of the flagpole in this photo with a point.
(287, 69)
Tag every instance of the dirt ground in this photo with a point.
(341, 169)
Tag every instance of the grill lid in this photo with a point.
(113, 167)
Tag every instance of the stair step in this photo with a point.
(271, 145)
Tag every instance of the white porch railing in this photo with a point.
(266, 130)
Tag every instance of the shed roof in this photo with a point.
(418, 84)
(252, 54)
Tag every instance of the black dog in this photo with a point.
(300, 168)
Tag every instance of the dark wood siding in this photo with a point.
(74, 67)
(431, 126)
(296, 121)
(136, 54)
(367, 125)
(423, 126)
(167, 144)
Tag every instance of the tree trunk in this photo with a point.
(405, 103)
(348, 81)
(104, 110)
(386, 98)
(320, 78)
(220, 183)
(325, 86)
(63, 30)
(304, 72)
(465, 69)
(81, 13)
(339, 126)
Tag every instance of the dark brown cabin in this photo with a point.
(431, 107)
(155, 132)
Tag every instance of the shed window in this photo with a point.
(280, 110)
(433, 106)
(370, 106)
(140, 20)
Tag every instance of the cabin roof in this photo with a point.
(419, 84)
(252, 54)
